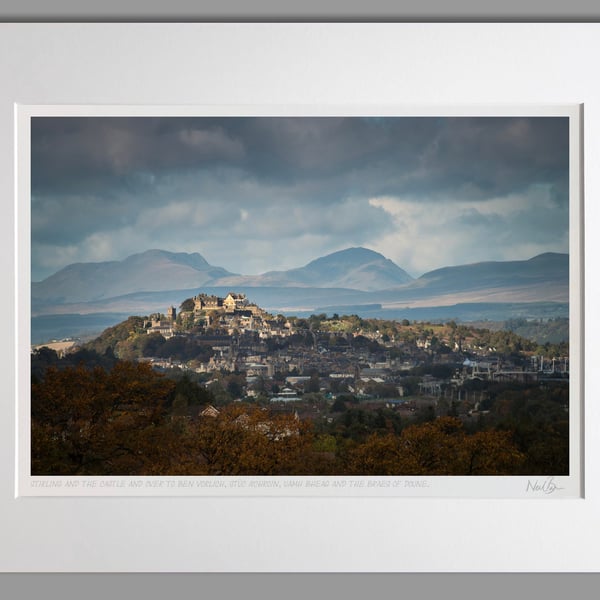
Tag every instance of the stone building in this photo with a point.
(235, 302)
(204, 302)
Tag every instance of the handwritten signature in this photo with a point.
(546, 486)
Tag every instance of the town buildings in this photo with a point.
(285, 360)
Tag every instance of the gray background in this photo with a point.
(307, 10)
(297, 586)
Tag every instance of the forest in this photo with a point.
(107, 416)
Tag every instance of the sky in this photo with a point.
(255, 194)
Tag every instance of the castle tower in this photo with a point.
(172, 314)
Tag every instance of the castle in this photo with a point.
(232, 303)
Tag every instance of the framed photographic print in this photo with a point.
(247, 331)
(264, 292)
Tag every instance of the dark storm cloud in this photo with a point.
(106, 187)
(75, 153)
(494, 156)
(491, 154)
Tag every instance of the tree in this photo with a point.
(339, 405)
(97, 422)
(247, 440)
(187, 304)
(41, 359)
(193, 393)
(441, 447)
(113, 335)
(235, 385)
(313, 385)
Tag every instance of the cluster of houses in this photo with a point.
(245, 345)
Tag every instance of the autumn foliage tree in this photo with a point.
(95, 422)
(440, 447)
(245, 440)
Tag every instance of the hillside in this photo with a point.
(353, 268)
(547, 269)
(150, 271)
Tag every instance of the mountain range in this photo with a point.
(158, 270)
(352, 277)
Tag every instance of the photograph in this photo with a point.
(301, 295)
(300, 298)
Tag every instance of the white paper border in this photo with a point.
(377, 65)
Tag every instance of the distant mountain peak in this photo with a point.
(354, 254)
(355, 251)
(356, 268)
(193, 259)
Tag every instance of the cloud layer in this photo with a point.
(259, 194)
